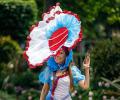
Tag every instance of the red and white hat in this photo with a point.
(58, 28)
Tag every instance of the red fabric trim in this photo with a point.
(65, 12)
(56, 82)
(33, 26)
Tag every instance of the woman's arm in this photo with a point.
(86, 63)
(44, 91)
(85, 83)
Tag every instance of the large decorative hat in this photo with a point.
(58, 28)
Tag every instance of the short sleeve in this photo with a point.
(45, 76)
(76, 74)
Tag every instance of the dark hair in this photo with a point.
(66, 50)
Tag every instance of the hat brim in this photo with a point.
(37, 46)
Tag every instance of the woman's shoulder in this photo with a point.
(74, 68)
(76, 74)
(72, 65)
(45, 75)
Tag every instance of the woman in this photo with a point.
(59, 81)
(52, 40)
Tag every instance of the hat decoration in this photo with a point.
(58, 28)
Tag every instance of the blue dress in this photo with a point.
(47, 75)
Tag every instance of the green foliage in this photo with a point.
(3, 73)
(97, 16)
(16, 16)
(100, 14)
(102, 9)
(8, 49)
(24, 79)
(113, 83)
(106, 58)
(31, 93)
(5, 96)
(40, 6)
(112, 10)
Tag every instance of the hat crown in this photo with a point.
(58, 38)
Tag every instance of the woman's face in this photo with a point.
(60, 57)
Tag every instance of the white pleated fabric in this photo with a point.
(38, 49)
(62, 89)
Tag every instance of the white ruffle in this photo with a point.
(38, 50)
(51, 13)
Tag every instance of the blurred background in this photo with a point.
(101, 37)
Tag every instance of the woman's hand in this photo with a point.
(86, 62)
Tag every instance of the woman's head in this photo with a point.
(61, 55)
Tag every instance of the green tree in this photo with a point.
(106, 59)
(16, 16)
